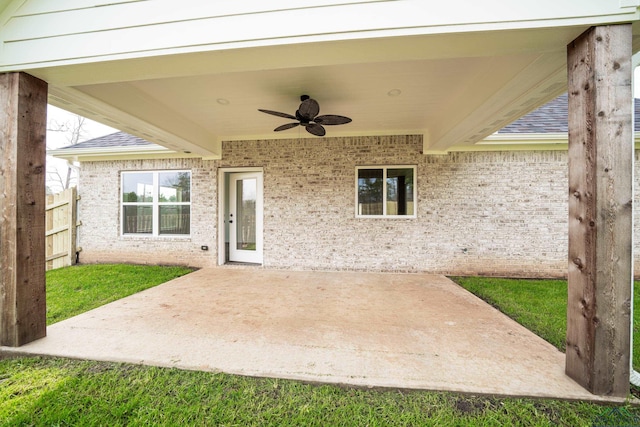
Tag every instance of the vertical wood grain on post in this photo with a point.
(600, 209)
(22, 201)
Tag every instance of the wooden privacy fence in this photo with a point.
(61, 228)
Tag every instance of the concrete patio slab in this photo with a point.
(366, 329)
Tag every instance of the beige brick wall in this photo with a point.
(99, 210)
(495, 213)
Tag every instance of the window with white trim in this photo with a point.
(156, 203)
(386, 191)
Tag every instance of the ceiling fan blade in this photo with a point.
(331, 119)
(315, 129)
(309, 108)
(286, 126)
(279, 114)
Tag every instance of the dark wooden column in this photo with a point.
(600, 209)
(23, 113)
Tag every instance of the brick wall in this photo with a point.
(495, 213)
(99, 210)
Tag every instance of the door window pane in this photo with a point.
(246, 191)
(370, 191)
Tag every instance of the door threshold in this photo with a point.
(240, 264)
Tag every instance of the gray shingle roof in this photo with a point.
(118, 139)
(552, 118)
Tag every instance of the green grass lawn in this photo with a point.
(60, 392)
(55, 392)
(74, 290)
(539, 305)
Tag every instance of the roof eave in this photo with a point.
(117, 153)
(527, 141)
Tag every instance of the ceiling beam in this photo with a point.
(179, 135)
(544, 80)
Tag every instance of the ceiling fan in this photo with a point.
(307, 116)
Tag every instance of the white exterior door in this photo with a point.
(245, 217)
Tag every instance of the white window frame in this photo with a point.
(384, 169)
(155, 204)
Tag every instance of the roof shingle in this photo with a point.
(553, 117)
(118, 139)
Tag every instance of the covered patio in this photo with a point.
(414, 331)
(193, 77)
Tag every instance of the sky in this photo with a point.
(59, 139)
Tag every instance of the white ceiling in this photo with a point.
(455, 89)
(227, 104)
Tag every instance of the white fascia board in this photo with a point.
(533, 138)
(117, 153)
(525, 138)
(519, 142)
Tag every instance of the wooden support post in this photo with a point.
(22, 201)
(600, 209)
